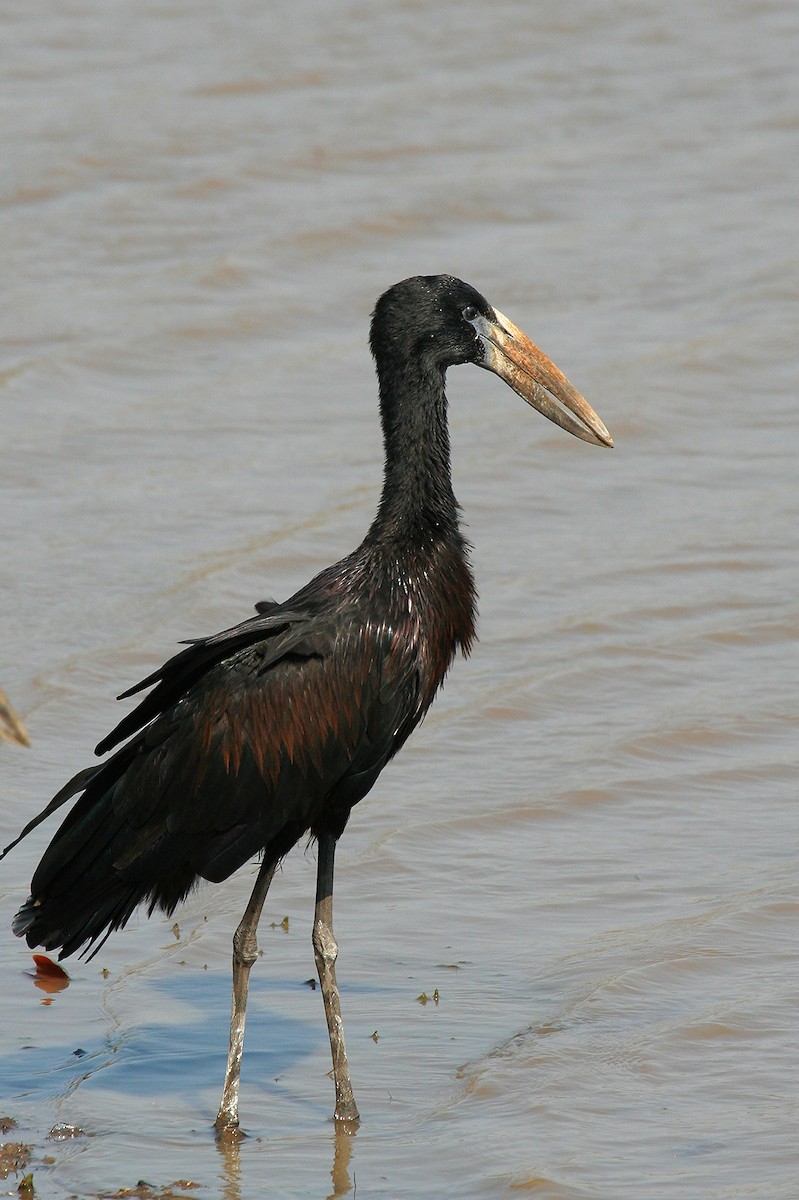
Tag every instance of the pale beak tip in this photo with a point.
(601, 433)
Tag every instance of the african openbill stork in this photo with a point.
(253, 737)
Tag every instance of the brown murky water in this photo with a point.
(589, 849)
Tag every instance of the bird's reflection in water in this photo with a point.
(228, 1147)
(343, 1134)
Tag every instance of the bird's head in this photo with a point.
(442, 321)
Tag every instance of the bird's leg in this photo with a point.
(326, 951)
(245, 952)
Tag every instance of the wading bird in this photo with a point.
(276, 727)
(11, 728)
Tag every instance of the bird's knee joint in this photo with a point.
(245, 948)
(324, 944)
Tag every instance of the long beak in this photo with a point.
(510, 354)
(11, 728)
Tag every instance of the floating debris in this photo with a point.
(48, 977)
(63, 1131)
(14, 1157)
(46, 966)
(11, 727)
(425, 999)
(149, 1191)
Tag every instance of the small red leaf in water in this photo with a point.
(46, 966)
(49, 977)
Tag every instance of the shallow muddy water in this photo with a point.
(589, 848)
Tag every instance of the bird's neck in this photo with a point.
(417, 505)
(415, 539)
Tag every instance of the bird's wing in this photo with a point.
(247, 740)
(173, 681)
(280, 629)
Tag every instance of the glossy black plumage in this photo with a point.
(251, 738)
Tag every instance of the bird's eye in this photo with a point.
(469, 313)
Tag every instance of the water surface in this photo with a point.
(589, 847)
